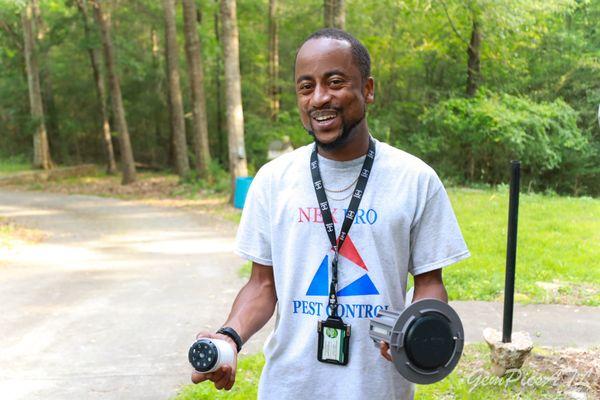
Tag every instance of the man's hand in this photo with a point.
(224, 377)
(384, 348)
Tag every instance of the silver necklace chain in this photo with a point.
(341, 190)
(343, 198)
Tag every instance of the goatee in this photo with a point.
(340, 141)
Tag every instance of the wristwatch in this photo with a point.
(227, 331)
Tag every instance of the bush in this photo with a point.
(261, 131)
(473, 139)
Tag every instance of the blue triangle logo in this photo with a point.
(362, 286)
(320, 284)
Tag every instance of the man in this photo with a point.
(403, 223)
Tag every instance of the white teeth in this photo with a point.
(325, 118)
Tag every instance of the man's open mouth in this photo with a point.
(324, 116)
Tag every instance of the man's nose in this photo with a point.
(320, 97)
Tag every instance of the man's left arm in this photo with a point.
(430, 285)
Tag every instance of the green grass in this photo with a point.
(246, 383)
(13, 164)
(470, 380)
(557, 255)
(245, 270)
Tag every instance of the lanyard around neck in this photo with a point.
(348, 218)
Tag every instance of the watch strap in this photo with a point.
(227, 331)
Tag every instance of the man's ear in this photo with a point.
(369, 90)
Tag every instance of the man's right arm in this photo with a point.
(255, 303)
(251, 310)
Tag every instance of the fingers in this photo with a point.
(205, 334)
(226, 379)
(384, 349)
(231, 382)
(198, 377)
(223, 378)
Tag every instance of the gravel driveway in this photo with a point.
(107, 306)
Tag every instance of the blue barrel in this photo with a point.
(242, 184)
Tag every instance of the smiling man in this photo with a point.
(333, 229)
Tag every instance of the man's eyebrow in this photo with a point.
(335, 72)
(303, 78)
(328, 74)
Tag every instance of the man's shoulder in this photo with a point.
(402, 161)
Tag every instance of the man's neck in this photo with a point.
(356, 147)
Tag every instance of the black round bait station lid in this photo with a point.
(203, 355)
(429, 342)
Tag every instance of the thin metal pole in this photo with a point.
(511, 250)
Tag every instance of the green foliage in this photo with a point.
(533, 53)
(475, 138)
(14, 164)
(261, 131)
(218, 182)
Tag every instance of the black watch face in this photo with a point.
(203, 355)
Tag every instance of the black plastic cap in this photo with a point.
(203, 355)
(429, 342)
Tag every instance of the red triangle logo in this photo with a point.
(349, 251)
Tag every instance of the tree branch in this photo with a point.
(8, 29)
(452, 24)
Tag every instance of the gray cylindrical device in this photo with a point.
(426, 339)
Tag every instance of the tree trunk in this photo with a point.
(473, 62)
(41, 151)
(43, 54)
(196, 74)
(94, 53)
(233, 91)
(127, 161)
(50, 112)
(273, 59)
(219, 106)
(177, 121)
(334, 14)
(158, 74)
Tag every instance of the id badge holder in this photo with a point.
(334, 341)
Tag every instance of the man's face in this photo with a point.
(331, 94)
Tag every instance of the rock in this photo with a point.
(575, 395)
(507, 356)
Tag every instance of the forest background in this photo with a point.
(467, 85)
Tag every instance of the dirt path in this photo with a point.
(107, 305)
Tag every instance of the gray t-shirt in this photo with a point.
(405, 224)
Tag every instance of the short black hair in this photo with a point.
(359, 52)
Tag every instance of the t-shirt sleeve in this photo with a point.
(253, 240)
(435, 237)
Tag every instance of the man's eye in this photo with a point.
(305, 86)
(336, 82)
